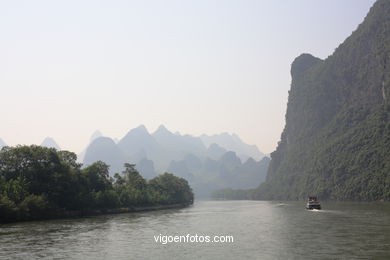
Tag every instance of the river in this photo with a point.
(259, 230)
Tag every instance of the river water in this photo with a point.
(260, 230)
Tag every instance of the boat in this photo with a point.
(313, 203)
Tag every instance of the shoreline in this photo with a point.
(90, 213)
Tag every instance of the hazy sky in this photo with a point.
(69, 67)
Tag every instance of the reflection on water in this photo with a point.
(261, 230)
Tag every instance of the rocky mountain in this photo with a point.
(336, 141)
(50, 143)
(233, 143)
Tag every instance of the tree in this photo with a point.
(169, 189)
(131, 186)
(38, 182)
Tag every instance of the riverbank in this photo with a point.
(126, 210)
(89, 212)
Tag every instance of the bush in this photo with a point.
(34, 207)
(107, 199)
(8, 209)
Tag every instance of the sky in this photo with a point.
(68, 68)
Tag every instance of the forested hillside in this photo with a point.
(336, 141)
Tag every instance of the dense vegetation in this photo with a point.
(38, 182)
(336, 142)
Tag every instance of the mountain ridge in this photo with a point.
(184, 155)
(232, 142)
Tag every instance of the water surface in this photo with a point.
(261, 230)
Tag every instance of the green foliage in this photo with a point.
(107, 199)
(34, 206)
(169, 189)
(96, 176)
(131, 187)
(8, 209)
(38, 182)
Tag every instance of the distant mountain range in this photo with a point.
(233, 143)
(50, 143)
(206, 164)
(47, 142)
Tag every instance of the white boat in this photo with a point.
(313, 203)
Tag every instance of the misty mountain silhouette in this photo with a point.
(178, 145)
(139, 144)
(184, 155)
(95, 135)
(233, 143)
(230, 160)
(50, 143)
(215, 151)
(146, 167)
(106, 150)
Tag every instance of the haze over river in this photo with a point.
(261, 230)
